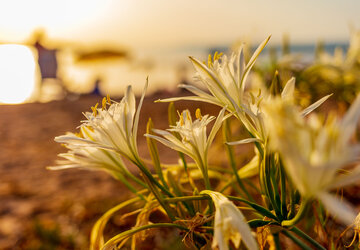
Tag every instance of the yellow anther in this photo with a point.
(259, 94)
(94, 109)
(198, 114)
(209, 61)
(188, 117)
(181, 120)
(104, 100)
(217, 56)
(79, 134)
(252, 98)
(108, 99)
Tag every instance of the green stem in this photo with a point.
(177, 190)
(300, 214)
(274, 169)
(128, 185)
(154, 153)
(187, 198)
(186, 168)
(209, 209)
(277, 241)
(271, 184)
(204, 169)
(298, 242)
(307, 237)
(124, 169)
(266, 184)
(135, 179)
(292, 200)
(151, 178)
(207, 181)
(262, 210)
(283, 191)
(230, 153)
(160, 199)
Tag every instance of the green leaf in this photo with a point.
(154, 153)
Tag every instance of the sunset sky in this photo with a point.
(162, 23)
(158, 34)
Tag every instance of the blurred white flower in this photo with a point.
(229, 224)
(257, 102)
(314, 152)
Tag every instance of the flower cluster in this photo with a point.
(300, 158)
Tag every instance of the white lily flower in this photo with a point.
(225, 80)
(82, 156)
(229, 224)
(113, 128)
(315, 153)
(194, 140)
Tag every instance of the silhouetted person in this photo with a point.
(96, 89)
(47, 61)
(48, 64)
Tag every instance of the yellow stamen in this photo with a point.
(252, 98)
(80, 134)
(198, 114)
(181, 120)
(104, 100)
(209, 61)
(215, 56)
(259, 94)
(94, 109)
(108, 99)
(188, 117)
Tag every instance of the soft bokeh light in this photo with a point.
(17, 73)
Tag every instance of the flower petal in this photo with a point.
(340, 209)
(315, 105)
(288, 91)
(253, 60)
(351, 118)
(137, 116)
(345, 180)
(229, 223)
(244, 141)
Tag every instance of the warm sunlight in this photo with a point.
(17, 73)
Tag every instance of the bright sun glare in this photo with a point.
(17, 73)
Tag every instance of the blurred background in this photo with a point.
(101, 46)
(57, 58)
